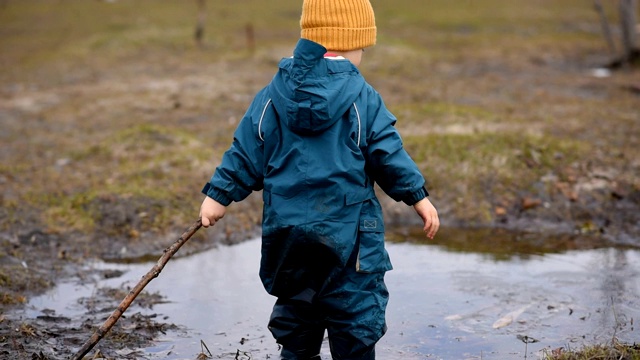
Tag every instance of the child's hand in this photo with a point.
(429, 215)
(211, 211)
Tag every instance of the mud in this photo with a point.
(35, 261)
(54, 337)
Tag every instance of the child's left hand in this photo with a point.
(429, 215)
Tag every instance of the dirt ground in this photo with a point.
(104, 149)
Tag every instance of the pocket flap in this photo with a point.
(358, 196)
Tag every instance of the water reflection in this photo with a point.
(499, 244)
(471, 295)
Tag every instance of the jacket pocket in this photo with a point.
(372, 255)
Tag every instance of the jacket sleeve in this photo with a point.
(388, 163)
(240, 171)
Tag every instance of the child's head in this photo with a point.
(339, 25)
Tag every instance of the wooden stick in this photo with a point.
(152, 274)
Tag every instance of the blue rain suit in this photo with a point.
(315, 140)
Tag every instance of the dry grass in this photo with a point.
(113, 100)
(616, 351)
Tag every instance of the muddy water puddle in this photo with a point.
(448, 300)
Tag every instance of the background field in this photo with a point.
(113, 118)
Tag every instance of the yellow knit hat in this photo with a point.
(339, 25)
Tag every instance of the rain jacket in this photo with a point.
(315, 140)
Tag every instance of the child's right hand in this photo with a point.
(211, 211)
(429, 215)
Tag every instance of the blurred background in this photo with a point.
(521, 114)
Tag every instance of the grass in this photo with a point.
(114, 98)
(616, 351)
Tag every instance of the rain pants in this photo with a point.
(315, 141)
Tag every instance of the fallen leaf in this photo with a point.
(508, 318)
(530, 203)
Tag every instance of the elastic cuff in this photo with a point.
(416, 196)
(216, 195)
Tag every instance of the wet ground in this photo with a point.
(455, 299)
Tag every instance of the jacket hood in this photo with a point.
(310, 93)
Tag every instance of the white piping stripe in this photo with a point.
(262, 117)
(358, 114)
(269, 102)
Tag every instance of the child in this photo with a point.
(315, 141)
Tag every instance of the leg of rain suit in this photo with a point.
(297, 327)
(351, 308)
